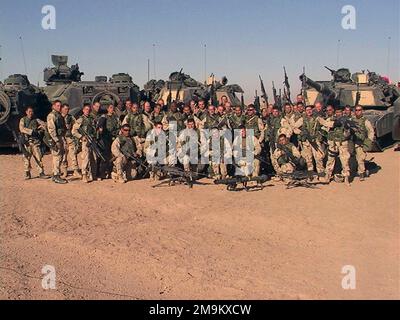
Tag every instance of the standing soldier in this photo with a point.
(109, 126)
(157, 115)
(236, 119)
(211, 119)
(363, 140)
(311, 143)
(29, 127)
(70, 145)
(338, 145)
(243, 146)
(85, 125)
(56, 129)
(146, 116)
(254, 122)
(173, 115)
(136, 123)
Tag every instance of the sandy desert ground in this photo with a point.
(109, 241)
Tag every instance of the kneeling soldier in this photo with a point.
(285, 157)
(121, 148)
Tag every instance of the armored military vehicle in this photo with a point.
(64, 83)
(373, 92)
(16, 93)
(182, 88)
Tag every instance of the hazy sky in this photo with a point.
(244, 38)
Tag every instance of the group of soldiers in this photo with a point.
(315, 138)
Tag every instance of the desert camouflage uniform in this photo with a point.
(188, 146)
(243, 149)
(281, 161)
(70, 145)
(120, 146)
(86, 123)
(255, 123)
(235, 122)
(56, 129)
(309, 152)
(363, 139)
(27, 127)
(338, 146)
(217, 158)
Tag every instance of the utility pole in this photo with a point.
(154, 61)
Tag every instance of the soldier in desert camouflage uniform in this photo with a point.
(363, 140)
(56, 130)
(338, 145)
(29, 127)
(86, 124)
(70, 144)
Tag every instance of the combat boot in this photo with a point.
(59, 180)
(77, 174)
(85, 178)
(64, 173)
(42, 175)
(28, 175)
(362, 176)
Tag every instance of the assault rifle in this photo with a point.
(232, 183)
(93, 144)
(287, 86)
(263, 91)
(297, 162)
(314, 144)
(174, 175)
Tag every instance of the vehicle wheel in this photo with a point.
(5, 107)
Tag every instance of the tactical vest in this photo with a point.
(157, 117)
(312, 126)
(135, 121)
(362, 133)
(211, 121)
(252, 123)
(112, 125)
(284, 158)
(236, 121)
(177, 117)
(30, 124)
(88, 125)
(274, 126)
(59, 123)
(127, 145)
(336, 134)
(69, 122)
